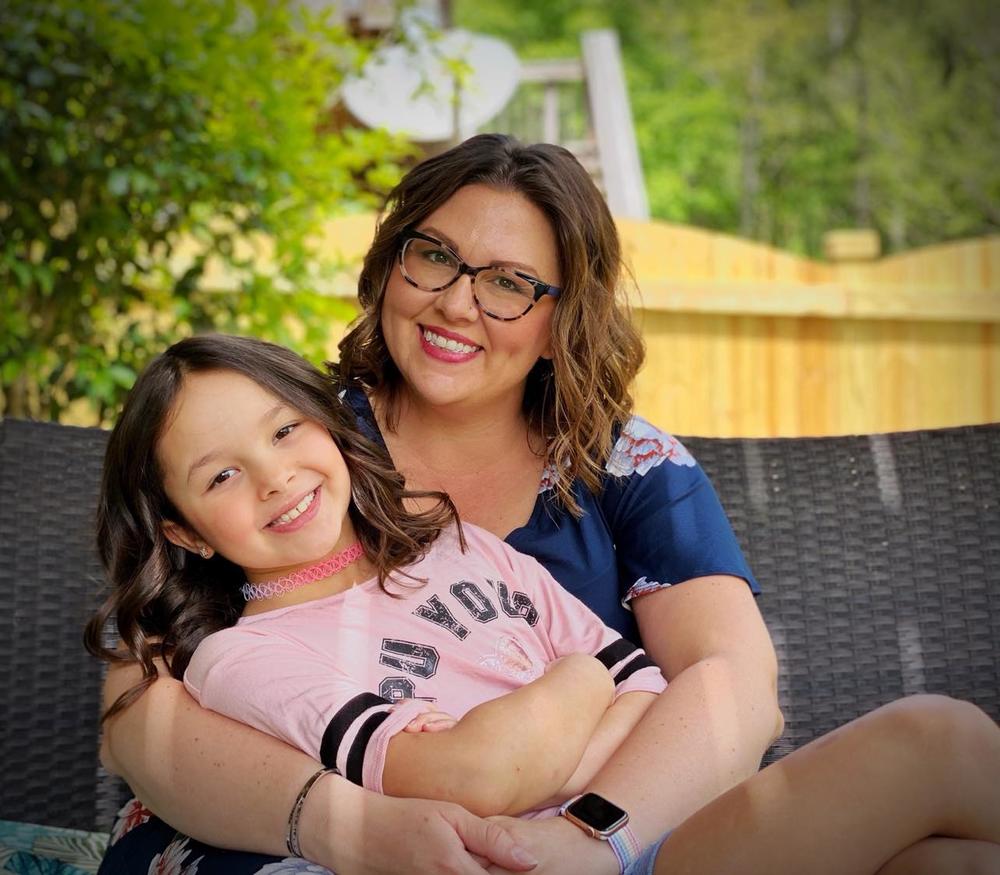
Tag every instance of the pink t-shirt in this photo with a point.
(324, 675)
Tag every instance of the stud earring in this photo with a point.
(203, 552)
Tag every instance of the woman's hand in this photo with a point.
(449, 839)
(354, 832)
(560, 847)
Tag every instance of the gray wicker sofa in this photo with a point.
(879, 557)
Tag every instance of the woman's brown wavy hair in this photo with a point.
(579, 399)
(165, 599)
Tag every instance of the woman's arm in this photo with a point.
(510, 754)
(188, 764)
(705, 733)
(710, 728)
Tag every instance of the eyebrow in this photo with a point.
(444, 238)
(211, 455)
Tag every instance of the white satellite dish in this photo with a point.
(411, 89)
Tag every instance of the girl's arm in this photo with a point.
(510, 754)
(615, 726)
(188, 765)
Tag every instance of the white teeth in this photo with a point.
(447, 343)
(296, 511)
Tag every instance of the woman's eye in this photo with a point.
(439, 256)
(285, 431)
(222, 477)
(504, 283)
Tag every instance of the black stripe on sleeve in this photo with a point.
(615, 652)
(342, 721)
(641, 661)
(356, 756)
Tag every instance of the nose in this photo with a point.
(274, 476)
(457, 302)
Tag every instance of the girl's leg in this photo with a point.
(850, 802)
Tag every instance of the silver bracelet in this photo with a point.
(292, 839)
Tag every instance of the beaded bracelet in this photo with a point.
(292, 839)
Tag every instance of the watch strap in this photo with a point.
(625, 845)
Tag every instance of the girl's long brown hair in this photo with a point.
(579, 399)
(164, 599)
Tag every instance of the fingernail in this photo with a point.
(523, 857)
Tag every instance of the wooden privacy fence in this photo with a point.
(746, 340)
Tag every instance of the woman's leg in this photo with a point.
(850, 802)
(953, 856)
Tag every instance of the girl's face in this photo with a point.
(253, 478)
(488, 362)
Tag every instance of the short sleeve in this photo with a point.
(666, 519)
(571, 627)
(286, 690)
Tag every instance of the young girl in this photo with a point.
(264, 548)
(273, 559)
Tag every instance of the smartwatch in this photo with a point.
(603, 820)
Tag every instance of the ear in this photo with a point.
(547, 352)
(184, 537)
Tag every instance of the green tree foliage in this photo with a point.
(782, 119)
(143, 139)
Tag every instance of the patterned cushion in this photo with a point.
(29, 849)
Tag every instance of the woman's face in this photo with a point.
(450, 354)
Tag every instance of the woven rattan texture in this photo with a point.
(49, 578)
(879, 557)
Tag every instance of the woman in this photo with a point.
(483, 407)
(494, 358)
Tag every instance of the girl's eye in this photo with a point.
(222, 477)
(285, 431)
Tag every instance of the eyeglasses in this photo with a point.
(500, 292)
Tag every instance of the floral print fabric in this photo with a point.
(139, 836)
(27, 849)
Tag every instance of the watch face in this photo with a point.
(597, 812)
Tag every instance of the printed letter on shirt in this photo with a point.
(419, 660)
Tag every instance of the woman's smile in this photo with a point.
(447, 346)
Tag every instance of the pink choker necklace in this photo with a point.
(281, 585)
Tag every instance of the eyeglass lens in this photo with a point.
(432, 268)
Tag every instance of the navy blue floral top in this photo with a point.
(657, 521)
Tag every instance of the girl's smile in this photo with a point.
(298, 514)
